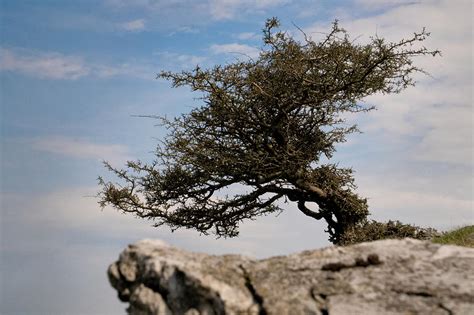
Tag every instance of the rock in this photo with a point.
(383, 277)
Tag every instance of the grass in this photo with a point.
(463, 236)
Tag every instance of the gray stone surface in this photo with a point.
(384, 277)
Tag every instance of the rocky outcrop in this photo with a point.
(383, 277)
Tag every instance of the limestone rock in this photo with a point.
(383, 277)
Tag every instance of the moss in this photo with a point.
(463, 236)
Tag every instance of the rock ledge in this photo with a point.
(384, 277)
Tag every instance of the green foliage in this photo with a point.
(264, 126)
(463, 236)
(371, 231)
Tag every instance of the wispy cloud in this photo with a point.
(133, 26)
(82, 149)
(184, 30)
(248, 36)
(216, 9)
(141, 70)
(57, 66)
(43, 65)
(228, 9)
(236, 49)
(377, 4)
(417, 165)
(127, 3)
(438, 110)
(394, 200)
(74, 210)
(176, 61)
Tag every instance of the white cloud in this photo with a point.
(133, 26)
(189, 60)
(172, 14)
(43, 65)
(127, 3)
(248, 36)
(185, 30)
(139, 70)
(439, 208)
(228, 9)
(377, 4)
(439, 109)
(56, 66)
(217, 9)
(81, 149)
(74, 210)
(449, 138)
(417, 159)
(181, 61)
(235, 48)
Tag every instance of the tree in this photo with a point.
(262, 130)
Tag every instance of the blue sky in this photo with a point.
(74, 73)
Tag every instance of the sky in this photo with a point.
(75, 74)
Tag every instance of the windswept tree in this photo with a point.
(260, 135)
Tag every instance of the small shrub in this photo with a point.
(373, 230)
(462, 237)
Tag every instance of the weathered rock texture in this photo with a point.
(383, 277)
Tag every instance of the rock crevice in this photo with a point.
(257, 298)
